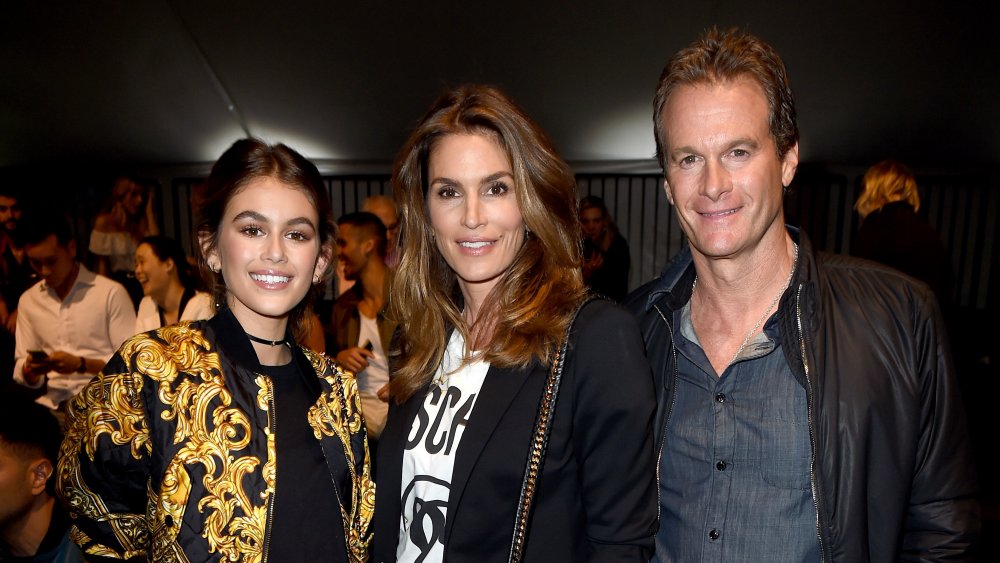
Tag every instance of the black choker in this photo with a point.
(268, 342)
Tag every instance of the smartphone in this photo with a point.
(38, 356)
(368, 346)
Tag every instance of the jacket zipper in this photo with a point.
(810, 416)
(272, 428)
(666, 419)
(350, 468)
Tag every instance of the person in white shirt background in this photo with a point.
(71, 321)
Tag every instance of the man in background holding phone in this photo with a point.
(69, 323)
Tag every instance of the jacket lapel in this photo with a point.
(498, 391)
(391, 446)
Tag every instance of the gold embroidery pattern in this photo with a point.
(110, 404)
(211, 432)
(164, 530)
(338, 414)
(212, 435)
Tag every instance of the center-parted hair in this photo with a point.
(245, 161)
(718, 57)
(527, 312)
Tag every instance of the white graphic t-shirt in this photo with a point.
(429, 455)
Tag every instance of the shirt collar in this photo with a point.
(84, 277)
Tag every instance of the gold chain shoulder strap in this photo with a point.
(539, 442)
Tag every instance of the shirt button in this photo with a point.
(714, 534)
(720, 398)
(721, 466)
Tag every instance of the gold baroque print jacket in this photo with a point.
(170, 451)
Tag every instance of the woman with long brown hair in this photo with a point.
(488, 284)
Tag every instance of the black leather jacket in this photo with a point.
(891, 470)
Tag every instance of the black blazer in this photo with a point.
(596, 498)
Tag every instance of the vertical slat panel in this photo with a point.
(964, 210)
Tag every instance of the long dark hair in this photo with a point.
(245, 161)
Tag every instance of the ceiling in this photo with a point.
(166, 82)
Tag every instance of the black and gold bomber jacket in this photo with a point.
(170, 451)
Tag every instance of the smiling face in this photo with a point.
(473, 211)
(269, 252)
(723, 172)
(153, 274)
(353, 250)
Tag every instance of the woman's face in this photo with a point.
(268, 249)
(473, 210)
(132, 199)
(154, 274)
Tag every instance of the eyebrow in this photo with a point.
(746, 141)
(491, 178)
(260, 218)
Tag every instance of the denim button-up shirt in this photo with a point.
(735, 471)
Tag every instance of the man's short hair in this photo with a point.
(724, 56)
(37, 228)
(8, 190)
(370, 225)
(27, 428)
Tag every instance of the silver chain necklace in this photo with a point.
(774, 302)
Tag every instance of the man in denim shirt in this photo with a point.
(808, 409)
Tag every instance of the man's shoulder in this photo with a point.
(100, 280)
(868, 281)
(350, 298)
(34, 292)
(637, 300)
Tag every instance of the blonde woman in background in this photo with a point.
(894, 234)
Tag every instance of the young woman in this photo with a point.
(170, 286)
(222, 439)
(126, 217)
(487, 286)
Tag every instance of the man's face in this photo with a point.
(10, 213)
(593, 222)
(352, 251)
(723, 172)
(52, 261)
